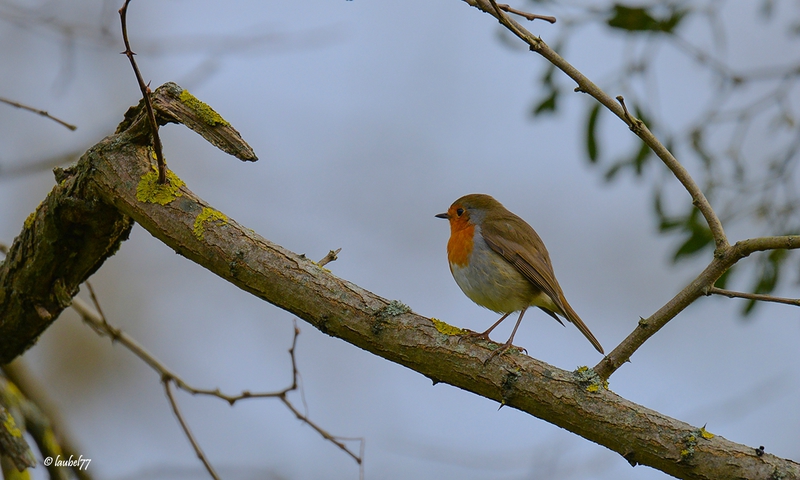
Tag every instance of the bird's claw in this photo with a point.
(503, 349)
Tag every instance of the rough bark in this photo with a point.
(115, 174)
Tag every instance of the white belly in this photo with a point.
(491, 282)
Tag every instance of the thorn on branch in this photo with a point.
(631, 458)
(162, 166)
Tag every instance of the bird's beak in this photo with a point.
(443, 215)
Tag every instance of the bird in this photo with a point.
(501, 263)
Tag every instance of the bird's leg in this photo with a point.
(502, 349)
(485, 335)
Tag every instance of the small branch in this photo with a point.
(723, 260)
(753, 296)
(587, 86)
(504, 20)
(162, 166)
(627, 116)
(40, 112)
(167, 381)
(330, 257)
(97, 321)
(526, 15)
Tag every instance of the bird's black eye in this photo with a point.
(459, 211)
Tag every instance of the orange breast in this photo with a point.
(460, 244)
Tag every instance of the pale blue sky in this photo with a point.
(369, 118)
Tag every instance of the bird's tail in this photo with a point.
(574, 318)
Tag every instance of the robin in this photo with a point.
(500, 263)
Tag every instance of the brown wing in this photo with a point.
(506, 237)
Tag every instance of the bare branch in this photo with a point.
(97, 321)
(723, 260)
(330, 257)
(344, 310)
(93, 230)
(753, 296)
(40, 112)
(637, 126)
(526, 15)
(162, 165)
(167, 382)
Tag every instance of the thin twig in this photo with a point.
(526, 15)
(40, 112)
(753, 296)
(327, 436)
(724, 255)
(97, 321)
(167, 381)
(162, 166)
(628, 118)
(330, 257)
(587, 86)
(723, 260)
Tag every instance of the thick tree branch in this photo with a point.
(71, 233)
(118, 171)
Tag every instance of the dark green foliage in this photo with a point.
(699, 236)
(640, 19)
(549, 103)
(692, 227)
(769, 271)
(592, 147)
(722, 281)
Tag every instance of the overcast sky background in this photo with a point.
(369, 118)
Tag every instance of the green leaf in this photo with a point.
(666, 223)
(641, 158)
(699, 238)
(635, 162)
(698, 145)
(613, 171)
(769, 275)
(548, 105)
(639, 19)
(547, 78)
(592, 148)
(723, 280)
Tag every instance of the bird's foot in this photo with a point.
(471, 334)
(502, 349)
